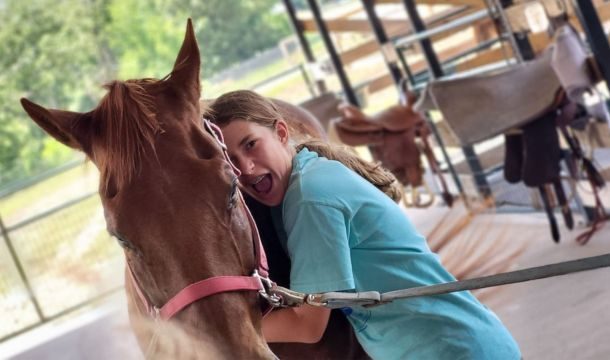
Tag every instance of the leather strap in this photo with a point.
(207, 287)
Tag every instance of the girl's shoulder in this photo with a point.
(317, 178)
(314, 168)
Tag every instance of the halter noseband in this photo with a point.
(258, 281)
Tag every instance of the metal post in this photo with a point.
(350, 95)
(382, 39)
(426, 45)
(595, 34)
(436, 71)
(504, 29)
(522, 46)
(298, 29)
(308, 81)
(20, 270)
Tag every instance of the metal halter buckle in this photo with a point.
(278, 296)
(155, 313)
(267, 291)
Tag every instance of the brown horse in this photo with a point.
(171, 201)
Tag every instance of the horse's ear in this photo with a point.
(57, 123)
(185, 74)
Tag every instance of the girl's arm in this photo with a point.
(304, 324)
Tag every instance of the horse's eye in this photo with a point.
(125, 244)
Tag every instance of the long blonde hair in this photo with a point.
(250, 106)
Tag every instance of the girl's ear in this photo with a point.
(281, 128)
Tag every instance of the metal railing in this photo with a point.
(54, 262)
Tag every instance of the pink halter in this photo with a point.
(258, 281)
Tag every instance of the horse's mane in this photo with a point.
(127, 124)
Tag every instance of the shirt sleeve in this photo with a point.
(319, 248)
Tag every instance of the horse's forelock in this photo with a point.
(127, 126)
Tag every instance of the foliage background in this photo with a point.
(58, 53)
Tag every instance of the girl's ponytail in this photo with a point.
(372, 172)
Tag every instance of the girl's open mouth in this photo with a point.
(262, 184)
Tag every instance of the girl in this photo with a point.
(343, 234)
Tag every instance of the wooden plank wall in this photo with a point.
(483, 30)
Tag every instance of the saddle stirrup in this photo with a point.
(563, 203)
(549, 212)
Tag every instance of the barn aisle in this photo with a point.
(566, 317)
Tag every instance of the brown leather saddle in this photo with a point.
(390, 135)
(396, 137)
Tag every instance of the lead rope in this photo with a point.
(334, 300)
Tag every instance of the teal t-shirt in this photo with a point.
(343, 234)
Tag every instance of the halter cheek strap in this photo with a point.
(263, 268)
(217, 134)
(258, 281)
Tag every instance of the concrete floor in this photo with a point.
(565, 317)
(96, 333)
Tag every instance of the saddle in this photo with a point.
(478, 107)
(526, 103)
(532, 155)
(391, 136)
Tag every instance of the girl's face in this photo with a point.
(263, 156)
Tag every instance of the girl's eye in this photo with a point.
(250, 144)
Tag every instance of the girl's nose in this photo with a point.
(246, 166)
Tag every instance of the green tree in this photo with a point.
(49, 53)
(230, 31)
(58, 53)
(144, 36)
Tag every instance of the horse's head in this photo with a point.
(169, 197)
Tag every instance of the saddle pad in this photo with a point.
(485, 105)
